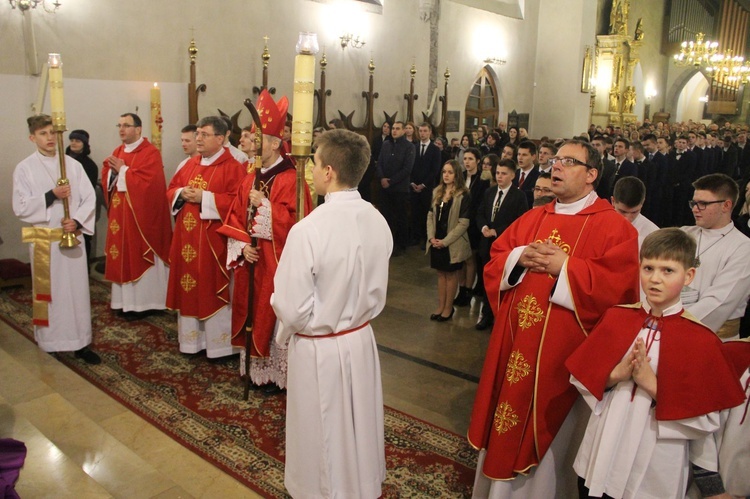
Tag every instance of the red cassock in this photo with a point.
(524, 392)
(198, 278)
(694, 376)
(280, 186)
(139, 225)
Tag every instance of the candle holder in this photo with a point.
(302, 110)
(57, 110)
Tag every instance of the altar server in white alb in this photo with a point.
(61, 309)
(331, 282)
(718, 295)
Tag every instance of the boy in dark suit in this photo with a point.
(501, 205)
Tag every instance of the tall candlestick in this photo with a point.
(156, 120)
(57, 104)
(302, 110)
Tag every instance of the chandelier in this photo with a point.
(727, 67)
(696, 53)
(24, 5)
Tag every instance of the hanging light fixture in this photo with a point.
(696, 53)
(24, 5)
(727, 67)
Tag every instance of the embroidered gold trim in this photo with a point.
(114, 227)
(529, 312)
(188, 282)
(116, 200)
(554, 238)
(189, 222)
(114, 252)
(198, 182)
(188, 253)
(505, 418)
(517, 368)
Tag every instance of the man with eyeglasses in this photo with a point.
(719, 293)
(200, 195)
(551, 276)
(139, 231)
(543, 188)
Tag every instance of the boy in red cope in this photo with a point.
(655, 379)
(275, 205)
(201, 194)
(551, 275)
(139, 230)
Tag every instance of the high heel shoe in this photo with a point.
(434, 317)
(442, 318)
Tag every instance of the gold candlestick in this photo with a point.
(57, 109)
(302, 110)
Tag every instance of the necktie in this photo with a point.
(496, 207)
(650, 156)
(617, 167)
(423, 148)
(523, 177)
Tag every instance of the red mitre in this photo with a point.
(272, 114)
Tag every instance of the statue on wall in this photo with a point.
(629, 100)
(614, 99)
(639, 30)
(428, 9)
(618, 17)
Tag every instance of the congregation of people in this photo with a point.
(604, 265)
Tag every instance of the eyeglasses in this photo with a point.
(702, 205)
(566, 161)
(545, 190)
(124, 125)
(204, 135)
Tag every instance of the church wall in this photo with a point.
(114, 51)
(654, 64)
(565, 28)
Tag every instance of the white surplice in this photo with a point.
(333, 277)
(723, 278)
(70, 309)
(625, 451)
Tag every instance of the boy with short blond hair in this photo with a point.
(61, 307)
(657, 381)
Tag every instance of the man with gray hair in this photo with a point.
(200, 195)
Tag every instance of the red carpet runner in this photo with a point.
(199, 404)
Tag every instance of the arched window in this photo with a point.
(481, 106)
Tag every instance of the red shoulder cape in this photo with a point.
(694, 377)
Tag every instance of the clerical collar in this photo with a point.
(343, 195)
(671, 310)
(132, 147)
(264, 169)
(576, 206)
(207, 161)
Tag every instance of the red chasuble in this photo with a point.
(524, 392)
(198, 278)
(738, 352)
(280, 187)
(694, 377)
(139, 225)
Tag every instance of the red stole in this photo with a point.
(280, 186)
(139, 226)
(198, 279)
(524, 394)
(694, 376)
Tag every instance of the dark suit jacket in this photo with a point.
(606, 179)
(426, 168)
(395, 162)
(528, 183)
(477, 187)
(513, 206)
(729, 159)
(627, 169)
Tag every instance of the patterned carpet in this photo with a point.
(199, 404)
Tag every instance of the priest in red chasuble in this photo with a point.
(139, 230)
(551, 276)
(274, 205)
(201, 194)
